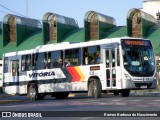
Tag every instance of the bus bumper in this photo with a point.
(130, 84)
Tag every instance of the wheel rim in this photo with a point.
(32, 92)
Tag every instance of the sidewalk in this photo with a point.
(5, 99)
(145, 93)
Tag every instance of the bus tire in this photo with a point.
(61, 95)
(32, 92)
(41, 96)
(116, 93)
(95, 88)
(90, 89)
(125, 93)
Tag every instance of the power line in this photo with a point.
(16, 12)
(24, 17)
(10, 10)
(3, 12)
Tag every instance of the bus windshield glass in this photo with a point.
(138, 57)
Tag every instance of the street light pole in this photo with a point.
(26, 8)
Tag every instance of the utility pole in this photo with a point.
(26, 8)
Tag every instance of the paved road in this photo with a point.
(82, 103)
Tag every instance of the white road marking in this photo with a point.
(135, 100)
(154, 103)
(116, 100)
(13, 106)
(86, 118)
(106, 104)
(142, 105)
(113, 103)
(118, 103)
(157, 100)
(94, 100)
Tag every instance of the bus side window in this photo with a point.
(26, 63)
(118, 58)
(40, 61)
(91, 55)
(72, 57)
(49, 63)
(6, 65)
(46, 60)
(34, 61)
(85, 56)
(56, 57)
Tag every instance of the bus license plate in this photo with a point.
(143, 86)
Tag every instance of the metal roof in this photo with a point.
(104, 18)
(154, 36)
(144, 15)
(75, 36)
(60, 19)
(23, 20)
(30, 43)
(119, 31)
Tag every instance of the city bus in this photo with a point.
(115, 65)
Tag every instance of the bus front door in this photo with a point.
(111, 68)
(15, 76)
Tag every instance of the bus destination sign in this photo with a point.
(137, 42)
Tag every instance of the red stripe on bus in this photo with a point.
(75, 76)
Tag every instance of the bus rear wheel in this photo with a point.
(94, 88)
(116, 93)
(33, 93)
(125, 93)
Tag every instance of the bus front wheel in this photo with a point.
(125, 93)
(94, 88)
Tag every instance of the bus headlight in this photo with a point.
(127, 76)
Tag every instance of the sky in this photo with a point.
(70, 8)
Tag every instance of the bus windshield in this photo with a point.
(138, 57)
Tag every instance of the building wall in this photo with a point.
(151, 6)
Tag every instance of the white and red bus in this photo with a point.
(114, 65)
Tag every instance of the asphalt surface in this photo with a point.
(5, 98)
(80, 102)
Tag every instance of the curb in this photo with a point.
(147, 94)
(77, 94)
(152, 94)
(11, 101)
